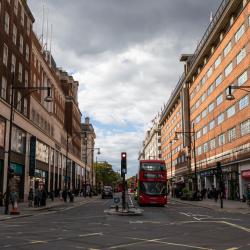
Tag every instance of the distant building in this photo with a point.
(88, 148)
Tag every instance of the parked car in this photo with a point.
(107, 192)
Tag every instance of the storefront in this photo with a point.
(41, 179)
(2, 134)
(18, 179)
(245, 175)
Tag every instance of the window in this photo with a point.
(199, 150)
(212, 144)
(221, 139)
(7, 23)
(203, 97)
(242, 78)
(3, 87)
(22, 16)
(5, 55)
(198, 119)
(218, 80)
(245, 127)
(217, 62)
(204, 130)
(28, 26)
(204, 113)
(232, 134)
(14, 35)
(21, 44)
(211, 125)
(219, 99)
(231, 111)
(27, 54)
(210, 89)
(25, 105)
(228, 69)
(20, 72)
(244, 102)
(227, 49)
(205, 147)
(210, 71)
(26, 78)
(19, 102)
(239, 33)
(13, 63)
(242, 54)
(16, 7)
(220, 118)
(203, 80)
(211, 107)
(198, 134)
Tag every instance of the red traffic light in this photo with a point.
(123, 155)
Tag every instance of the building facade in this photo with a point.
(44, 150)
(214, 130)
(152, 143)
(88, 149)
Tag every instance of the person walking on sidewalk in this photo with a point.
(31, 197)
(64, 195)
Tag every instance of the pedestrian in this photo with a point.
(64, 195)
(60, 194)
(44, 197)
(31, 197)
(52, 195)
(39, 198)
(216, 194)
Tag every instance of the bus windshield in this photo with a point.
(153, 188)
(152, 167)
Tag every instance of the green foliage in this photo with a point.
(105, 175)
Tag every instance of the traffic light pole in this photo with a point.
(123, 192)
(123, 172)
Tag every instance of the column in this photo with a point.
(28, 181)
(5, 165)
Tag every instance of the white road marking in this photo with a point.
(157, 241)
(232, 248)
(91, 234)
(38, 242)
(187, 214)
(220, 222)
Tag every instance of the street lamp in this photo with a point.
(48, 98)
(195, 167)
(230, 95)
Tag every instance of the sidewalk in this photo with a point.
(26, 211)
(228, 205)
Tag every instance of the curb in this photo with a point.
(212, 208)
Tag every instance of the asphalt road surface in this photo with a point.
(86, 226)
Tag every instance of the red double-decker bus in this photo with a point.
(152, 183)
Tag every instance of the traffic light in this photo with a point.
(123, 163)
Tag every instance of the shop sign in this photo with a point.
(209, 172)
(32, 165)
(245, 174)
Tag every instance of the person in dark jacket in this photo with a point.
(31, 197)
(64, 195)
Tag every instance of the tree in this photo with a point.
(105, 175)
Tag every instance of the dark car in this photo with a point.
(107, 192)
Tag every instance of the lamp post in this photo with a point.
(31, 90)
(230, 95)
(194, 153)
(171, 168)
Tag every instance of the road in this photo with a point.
(86, 226)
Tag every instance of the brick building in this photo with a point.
(48, 131)
(221, 127)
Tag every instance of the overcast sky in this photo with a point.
(125, 55)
